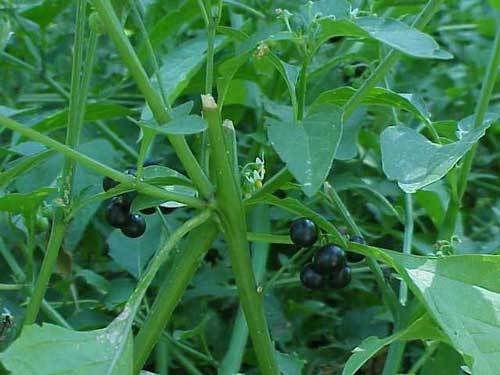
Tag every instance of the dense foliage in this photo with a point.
(261, 186)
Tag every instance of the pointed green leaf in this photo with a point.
(414, 162)
(309, 146)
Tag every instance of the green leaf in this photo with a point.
(25, 204)
(160, 175)
(168, 25)
(44, 12)
(93, 112)
(391, 32)
(52, 350)
(461, 293)
(227, 70)
(290, 364)
(309, 146)
(289, 73)
(377, 96)
(179, 66)
(348, 146)
(190, 124)
(414, 162)
(422, 328)
(5, 32)
(23, 165)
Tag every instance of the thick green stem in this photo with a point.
(155, 102)
(232, 216)
(56, 237)
(77, 101)
(100, 168)
(259, 221)
(185, 264)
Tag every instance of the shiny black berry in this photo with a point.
(355, 257)
(303, 232)
(135, 226)
(341, 278)
(328, 259)
(108, 183)
(117, 214)
(310, 278)
(148, 211)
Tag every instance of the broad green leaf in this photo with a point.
(93, 112)
(326, 8)
(414, 162)
(290, 364)
(461, 293)
(394, 33)
(145, 201)
(421, 329)
(185, 125)
(297, 208)
(308, 147)
(377, 96)
(53, 350)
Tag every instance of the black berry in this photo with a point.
(148, 211)
(117, 214)
(135, 226)
(310, 278)
(127, 198)
(341, 279)
(355, 257)
(303, 232)
(329, 258)
(108, 183)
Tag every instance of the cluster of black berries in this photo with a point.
(329, 264)
(118, 212)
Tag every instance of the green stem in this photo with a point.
(450, 220)
(269, 238)
(77, 101)
(170, 293)
(334, 198)
(397, 348)
(407, 242)
(162, 358)
(155, 102)
(102, 169)
(388, 294)
(301, 89)
(260, 221)
(481, 108)
(233, 221)
(209, 77)
(56, 238)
